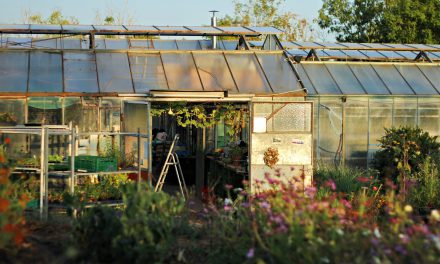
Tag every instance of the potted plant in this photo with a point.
(235, 152)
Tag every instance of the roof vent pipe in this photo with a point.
(214, 24)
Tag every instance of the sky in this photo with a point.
(143, 12)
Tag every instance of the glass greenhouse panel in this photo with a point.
(12, 112)
(188, 45)
(141, 44)
(14, 69)
(116, 44)
(369, 79)
(355, 54)
(110, 112)
(45, 110)
(429, 115)
(247, 73)
(45, 73)
(46, 43)
(416, 79)
(372, 54)
(432, 73)
(345, 79)
(99, 43)
(80, 72)
(18, 43)
(114, 73)
(405, 112)
(164, 44)
(392, 78)
(73, 43)
(321, 79)
(82, 112)
(279, 72)
(356, 131)
(147, 72)
(381, 117)
(229, 44)
(330, 130)
(181, 72)
(214, 72)
(291, 117)
(205, 44)
(305, 79)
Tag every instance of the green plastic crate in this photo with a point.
(95, 163)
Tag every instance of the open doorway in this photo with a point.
(213, 144)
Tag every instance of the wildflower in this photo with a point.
(408, 208)
(331, 184)
(363, 179)
(250, 253)
(435, 215)
(227, 208)
(404, 238)
(229, 186)
(7, 141)
(265, 205)
(4, 205)
(310, 192)
(377, 233)
(374, 188)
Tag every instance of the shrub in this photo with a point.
(426, 191)
(403, 151)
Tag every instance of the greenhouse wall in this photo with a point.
(347, 129)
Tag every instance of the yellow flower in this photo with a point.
(435, 215)
(408, 208)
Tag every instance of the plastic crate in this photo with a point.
(95, 163)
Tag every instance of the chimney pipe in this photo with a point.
(214, 24)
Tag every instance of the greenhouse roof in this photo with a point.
(370, 78)
(34, 72)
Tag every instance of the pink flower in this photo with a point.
(229, 186)
(363, 179)
(331, 184)
(250, 253)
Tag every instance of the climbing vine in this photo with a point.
(206, 115)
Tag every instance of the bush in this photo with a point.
(425, 193)
(404, 150)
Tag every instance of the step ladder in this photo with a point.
(172, 159)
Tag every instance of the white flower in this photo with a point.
(377, 233)
(228, 201)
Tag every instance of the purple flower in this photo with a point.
(250, 253)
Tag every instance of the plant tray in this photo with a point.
(95, 163)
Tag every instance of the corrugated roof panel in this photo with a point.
(416, 79)
(432, 72)
(80, 72)
(278, 71)
(345, 78)
(321, 78)
(147, 71)
(214, 72)
(392, 78)
(247, 73)
(13, 71)
(181, 72)
(114, 73)
(369, 79)
(45, 73)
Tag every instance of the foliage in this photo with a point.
(56, 17)
(268, 13)
(55, 158)
(403, 152)
(394, 21)
(426, 191)
(8, 118)
(206, 115)
(12, 205)
(144, 232)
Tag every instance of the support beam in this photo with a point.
(422, 55)
(243, 44)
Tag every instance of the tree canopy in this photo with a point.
(396, 21)
(268, 13)
(56, 17)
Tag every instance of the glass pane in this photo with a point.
(45, 110)
(429, 115)
(369, 79)
(205, 29)
(147, 72)
(188, 45)
(230, 44)
(12, 112)
(297, 52)
(45, 74)
(356, 131)
(109, 28)
(392, 78)
(77, 27)
(205, 44)
(235, 29)
(114, 73)
(330, 129)
(381, 117)
(416, 79)
(45, 27)
(247, 73)
(372, 54)
(18, 43)
(294, 117)
(407, 54)
(164, 44)
(116, 44)
(405, 112)
(279, 72)
(321, 79)
(391, 54)
(73, 43)
(172, 28)
(99, 43)
(214, 72)
(305, 79)
(355, 54)
(141, 44)
(110, 114)
(345, 78)
(432, 73)
(266, 30)
(141, 28)
(181, 72)
(335, 53)
(13, 71)
(82, 112)
(80, 72)
(39, 43)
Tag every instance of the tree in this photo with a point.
(401, 21)
(56, 17)
(268, 13)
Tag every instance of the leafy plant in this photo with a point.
(426, 191)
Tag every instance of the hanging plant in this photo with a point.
(271, 157)
(206, 115)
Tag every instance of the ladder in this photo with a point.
(172, 159)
